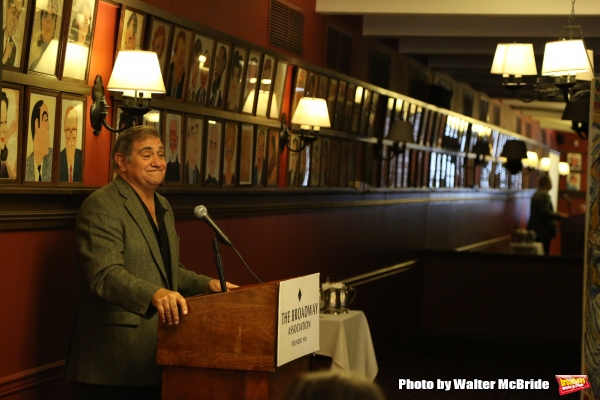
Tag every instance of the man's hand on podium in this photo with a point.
(214, 286)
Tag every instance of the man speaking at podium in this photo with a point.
(128, 254)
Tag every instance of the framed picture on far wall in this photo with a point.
(79, 42)
(11, 106)
(259, 171)
(299, 88)
(266, 84)
(246, 147)
(16, 26)
(251, 82)
(179, 64)
(160, 34)
(193, 157)
(173, 141)
(272, 157)
(212, 164)
(574, 181)
(44, 45)
(234, 90)
(131, 29)
(41, 123)
(278, 87)
(216, 94)
(230, 154)
(574, 160)
(72, 139)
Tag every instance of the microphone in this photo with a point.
(202, 213)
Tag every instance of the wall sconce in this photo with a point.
(545, 164)
(563, 168)
(514, 151)
(137, 74)
(531, 161)
(400, 131)
(481, 150)
(312, 115)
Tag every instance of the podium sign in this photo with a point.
(298, 318)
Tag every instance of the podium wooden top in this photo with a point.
(231, 330)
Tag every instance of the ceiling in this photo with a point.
(459, 37)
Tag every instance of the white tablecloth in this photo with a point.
(346, 338)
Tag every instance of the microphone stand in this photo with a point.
(219, 264)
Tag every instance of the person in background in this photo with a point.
(130, 276)
(542, 218)
(333, 386)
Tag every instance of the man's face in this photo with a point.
(3, 123)
(48, 23)
(173, 137)
(71, 135)
(180, 53)
(213, 146)
(129, 37)
(147, 167)
(42, 131)
(12, 17)
(158, 45)
(193, 145)
(220, 63)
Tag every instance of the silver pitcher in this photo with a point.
(337, 300)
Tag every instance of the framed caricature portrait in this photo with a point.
(364, 112)
(193, 154)
(350, 99)
(259, 171)
(293, 161)
(131, 29)
(173, 145)
(179, 64)
(372, 114)
(41, 122)
(246, 147)
(234, 91)
(340, 105)
(315, 164)
(72, 136)
(312, 84)
(10, 117)
(356, 109)
(216, 94)
(278, 88)
(272, 157)
(230, 154)
(212, 167)
(322, 89)
(574, 181)
(304, 161)
(264, 92)
(299, 87)
(200, 69)
(251, 82)
(160, 34)
(45, 36)
(79, 42)
(325, 152)
(15, 25)
(575, 161)
(331, 96)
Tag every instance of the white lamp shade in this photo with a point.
(136, 70)
(533, 159)
(565, 57)
(545, 164)
(563, 168)
(514, 59)
(588, 75)
(313, 112)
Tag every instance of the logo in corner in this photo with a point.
(572, 383)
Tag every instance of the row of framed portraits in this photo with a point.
(50, 37)
(208, 152)
(42, 136)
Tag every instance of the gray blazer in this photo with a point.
(46, 169)
(114, 337)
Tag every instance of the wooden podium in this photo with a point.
(225, 348)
